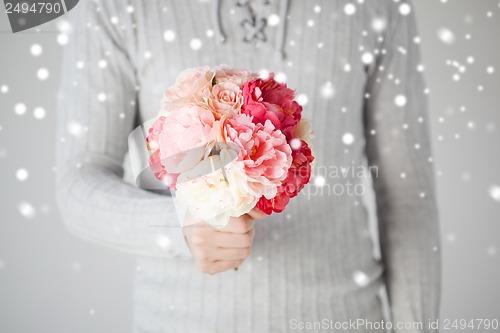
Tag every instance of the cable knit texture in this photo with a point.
(314, 261)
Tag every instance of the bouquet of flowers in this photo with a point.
(226, 141)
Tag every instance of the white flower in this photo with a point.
(216, 196)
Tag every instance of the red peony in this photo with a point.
(270, 100)
(298, 176)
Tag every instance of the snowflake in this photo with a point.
(62, 39)
(39, 113)
(495, 192)
(42, 74)
(451, 237)
(348, 139)
(36, 50)
(263, 74)
(102, 63)
(295, 143)
(101, 97)
(367, 58)
(349, 9)
(360, 278)
(378, 24)
(26, 209)
(302, 99)
(327, 90)
(63, 26)
(404, 9)
(74, 128)
(319, 181)
(20, 109)
(280, 77)
(163, 241)
(195, 44)
(273, 20)
(22, 175)
(400, 100)
(169, 35)
(446, 36)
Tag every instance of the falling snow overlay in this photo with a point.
(42, 263)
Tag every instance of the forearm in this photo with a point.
(98, 206)
(96, 113)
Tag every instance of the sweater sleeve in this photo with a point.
(96, 112)
(398, 144)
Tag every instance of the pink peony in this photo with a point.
(152, 142)
(192, 86)
(154, 133)
(298, 176)
(236, 76)
(185, 128)
(270, 100)
(264, 153)
(154, 159)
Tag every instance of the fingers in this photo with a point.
(236, 241)
(220, 266)
(217, 250)
(219, 259)
(239, 225)
(257, 214)
(232, 254)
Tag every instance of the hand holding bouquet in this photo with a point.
(227, 141)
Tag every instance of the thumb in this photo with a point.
(257, 214)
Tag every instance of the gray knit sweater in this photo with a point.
(355, 67)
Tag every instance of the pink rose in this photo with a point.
(225, 99)
(270, 100)
(264, 153)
